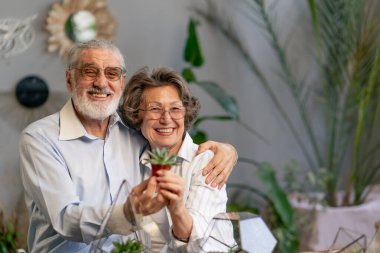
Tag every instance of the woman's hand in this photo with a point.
(171, 187)
(221, 165)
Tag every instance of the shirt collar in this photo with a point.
(70, 125)
(186, 151)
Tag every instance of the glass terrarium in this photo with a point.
(236, 232)
(346, 241)
(138, 241)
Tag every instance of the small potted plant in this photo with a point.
(160, 160)
(130, 246)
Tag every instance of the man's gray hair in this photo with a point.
(93, 44)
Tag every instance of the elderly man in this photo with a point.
(73, 162)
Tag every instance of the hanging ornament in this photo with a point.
(16, 35)
(31, 100)
(32, 91)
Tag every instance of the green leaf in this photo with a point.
(227, 102)
(280, 201)
(287, 234)
(199, 137)
(3, 248)
(193, 53)
(189, 75)
(313, 12)
(161, 156)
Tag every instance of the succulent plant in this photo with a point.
(130, 246)
(161, 157)
(160, 160)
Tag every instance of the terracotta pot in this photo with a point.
(157, 167)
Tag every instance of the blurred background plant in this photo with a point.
(9, 235)
(345, 158)
(194, 59)
(347, 54)
(272, 204)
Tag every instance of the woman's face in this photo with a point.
(160, 129)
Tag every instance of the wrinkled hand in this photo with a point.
(220, 167)
(171, 186)
(145, 199)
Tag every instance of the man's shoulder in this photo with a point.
(190, 149)
(47, 124)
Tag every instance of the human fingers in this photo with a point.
(168, 176)
(151, 187)
(175, 187)
(171, 196)
(152, 205)
(140, 188)
(171, 182)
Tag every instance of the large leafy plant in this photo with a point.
(347, 52)
(194, 59)
(273, 204)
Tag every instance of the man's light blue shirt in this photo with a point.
(71, 177)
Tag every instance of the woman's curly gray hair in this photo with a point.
(158, 77)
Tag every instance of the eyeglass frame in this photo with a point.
(122, 73)
(162, 112)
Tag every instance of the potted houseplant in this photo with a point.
(348, 88)
(347, 53)
(160, 159)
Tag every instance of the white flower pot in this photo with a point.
(323, 223)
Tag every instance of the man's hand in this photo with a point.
(144, 199)
(221, 165)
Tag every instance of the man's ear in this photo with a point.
(122, 79)
(69, 81)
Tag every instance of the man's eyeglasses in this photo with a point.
(177, 112)
(91, 73)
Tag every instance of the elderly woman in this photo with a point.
(159, 104)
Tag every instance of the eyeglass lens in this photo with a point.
(174, 112)
(111, 73)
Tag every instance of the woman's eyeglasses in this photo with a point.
(177, 112)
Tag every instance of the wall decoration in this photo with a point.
(78, 21)
(32, 91)
(16, 35)
(30, 101)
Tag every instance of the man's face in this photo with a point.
(94, 84)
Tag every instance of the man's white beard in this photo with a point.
(95, 110)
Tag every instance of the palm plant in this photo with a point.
(347, 51)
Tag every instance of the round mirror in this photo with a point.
(73, 21)
(81, 26)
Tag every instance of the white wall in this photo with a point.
(152, 33)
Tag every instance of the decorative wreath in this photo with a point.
(78, 21)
